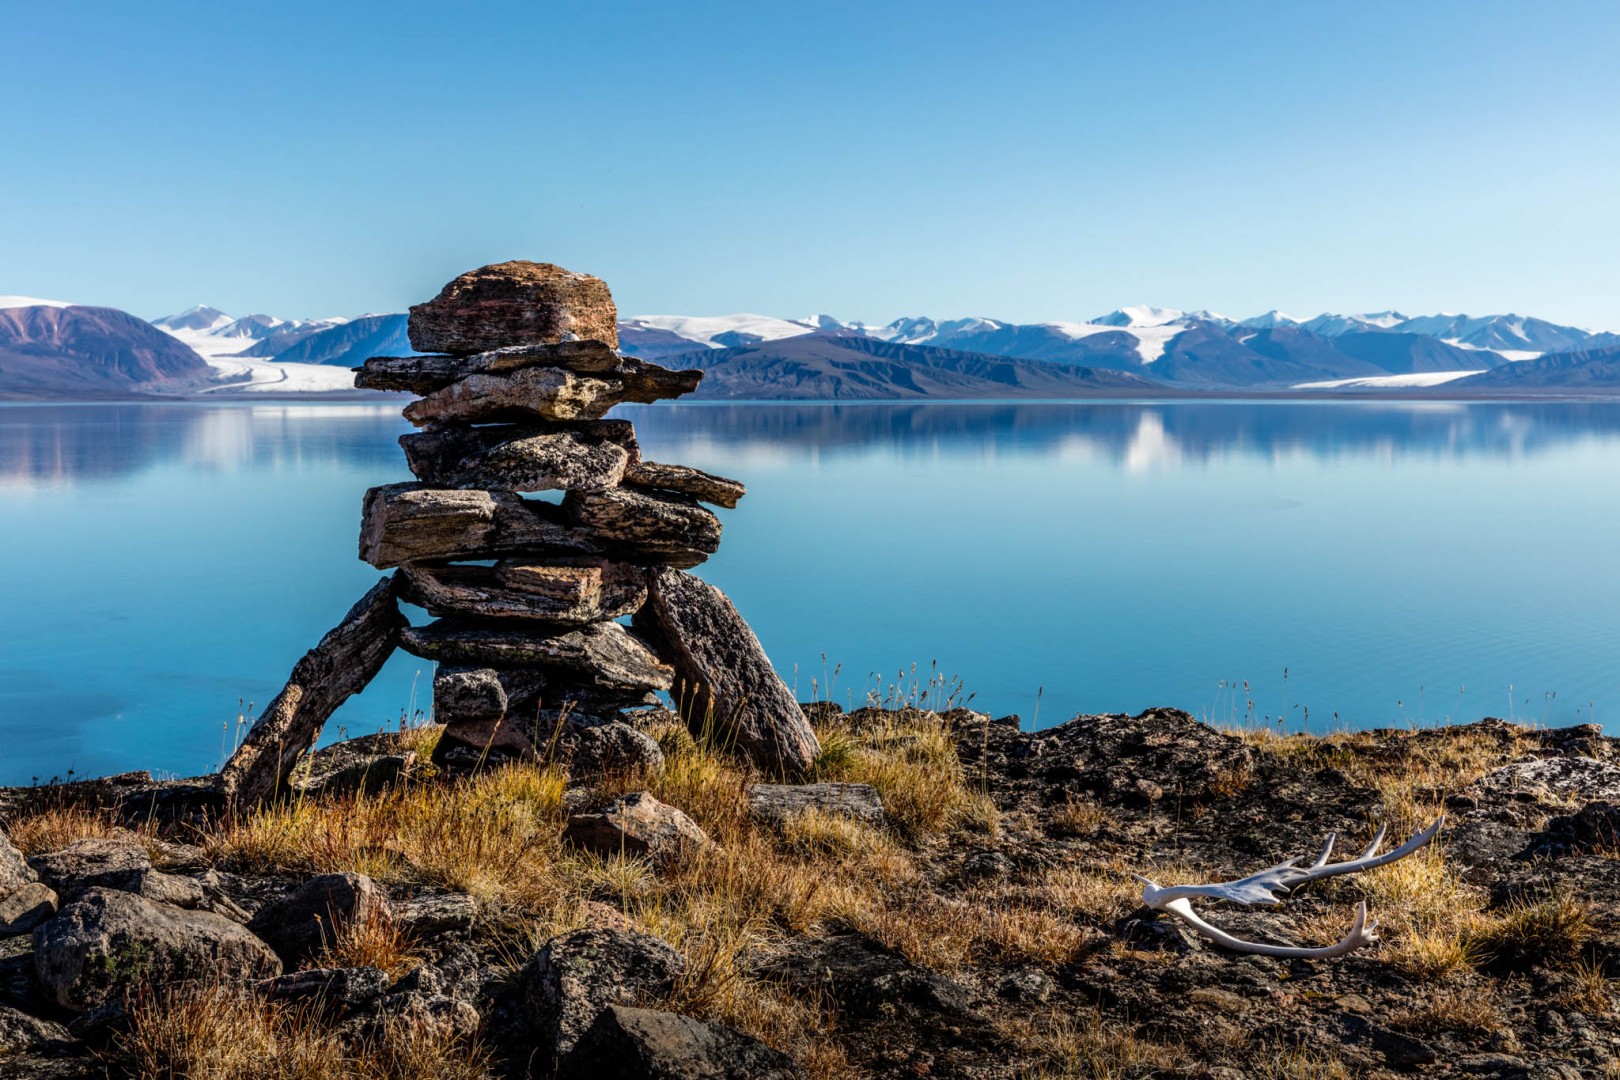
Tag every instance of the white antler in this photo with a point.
(1270, 885)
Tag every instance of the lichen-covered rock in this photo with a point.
(346, 659)
(593, 592)
(19, 1032)
(25, 907)
(514, 303)
(424, 374)
(328, 986)
(666, 527)
(605, 656)
(778, 802)
(94, 862)
(301, 923)
(576, 975)
(636, 824)
(14, 869)
(725, 682)
(655, 1045)
(505, 458)
(542, 393)
(108, 940)
(613, 748)
(409, 522)
(705, 487)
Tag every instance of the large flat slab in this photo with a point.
(578, 457)
(725, 683)
(403, 523)
(514, 303)
(604, 656)
(345, 660)
(527, 592)
(665, 527)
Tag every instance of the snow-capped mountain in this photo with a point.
(244, 352)
(199, 317)
(1270, 320)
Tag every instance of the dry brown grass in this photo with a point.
(1470, 1011)
(371, 941)
(910, 758)
(1079, 817)
(1588, 989)
(56, 827)
(1094, 1047)
(219, 1033)
(1553, 927)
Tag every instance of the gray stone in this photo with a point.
(668, 528)
(25, 907)
(341, 665)
(778, 802)
(106, 940)
(654, 1045)
(579, 457)
(572, 595)
(705, 487)
(14, 869)
(725, 682)
(636, 824)
(613, 748)
(19, 1032)
(605, 656)
(425, 917)
(576, 975)
(301, 923)
(94, 862)
(404, 523)
(514, 303)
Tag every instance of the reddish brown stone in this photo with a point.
(514, 303)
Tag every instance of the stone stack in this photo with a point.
(520, 368)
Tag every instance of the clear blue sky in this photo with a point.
(1021, 160)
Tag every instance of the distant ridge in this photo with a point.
(842, 366)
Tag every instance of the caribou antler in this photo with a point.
(1270, 885)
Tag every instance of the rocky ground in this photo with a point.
(953, 899)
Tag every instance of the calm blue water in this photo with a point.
(1405, 563)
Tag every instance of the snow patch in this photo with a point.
(704, 329)
(31, 301)
(1373, 382)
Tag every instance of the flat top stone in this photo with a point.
(514, 303)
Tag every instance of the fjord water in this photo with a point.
(163, 565)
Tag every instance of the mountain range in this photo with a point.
(56, 349)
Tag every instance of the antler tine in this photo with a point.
(1377, 841)
(1327, 852)
(1370, 861)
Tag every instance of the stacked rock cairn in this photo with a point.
(519, 367)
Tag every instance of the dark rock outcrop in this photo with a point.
(576, 975)
(629, 1042)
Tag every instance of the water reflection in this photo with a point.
(44, 446)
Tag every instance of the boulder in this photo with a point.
(20, 1032)
(431, 915)
(408, 522)
(653, 1045)
(665, 527)
(94, 862)
(101, 943)
(776, 803)
(613, 748)
(705, 487)
(574, 976)
(514, 303)
(25, 907)
(635, 824)
(341, 665)
(14, 869)
(517, 458)
(605, 656)
(523, 592)
(301, 923)
(724, 680)
(543, 393)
